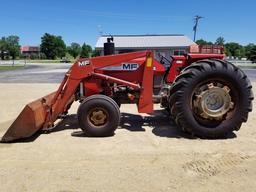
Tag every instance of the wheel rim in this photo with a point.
(212, 101)
(97, 117)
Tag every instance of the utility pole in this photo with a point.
(197, 18)
(100, 30)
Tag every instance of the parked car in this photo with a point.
(65, 60)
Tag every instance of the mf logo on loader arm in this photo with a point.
(130, 66)
(123, 67)
(84, 63)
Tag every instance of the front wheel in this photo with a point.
(211, 98)
(98, 116)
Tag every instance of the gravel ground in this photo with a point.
(147, 153)
(36, 73)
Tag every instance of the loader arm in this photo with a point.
(42, 113)
(85, 68)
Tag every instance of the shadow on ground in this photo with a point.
(159, 122)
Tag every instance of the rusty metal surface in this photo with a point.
(42, 113)
(30, 120)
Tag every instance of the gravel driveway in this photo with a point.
(147, 153)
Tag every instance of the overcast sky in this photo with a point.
(83, 21)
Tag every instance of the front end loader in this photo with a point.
(88, 77)
(205, 95)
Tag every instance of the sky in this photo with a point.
(83, 20)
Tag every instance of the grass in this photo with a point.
(46, 61)
(247, 66)
(9, 67)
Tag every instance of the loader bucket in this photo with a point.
(30, 120)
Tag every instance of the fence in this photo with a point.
(240, 62)
(13, 62)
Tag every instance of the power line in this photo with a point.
(197, 18)
(100, 30)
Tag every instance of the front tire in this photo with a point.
(211, 98)
(98, 116)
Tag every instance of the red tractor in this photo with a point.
(205, 95)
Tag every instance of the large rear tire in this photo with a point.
(211, 98)
(98, 116)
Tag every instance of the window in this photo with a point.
(126, 51)
(179, 52)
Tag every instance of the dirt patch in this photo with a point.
(5, 146)
(147, 153)
(210, 165)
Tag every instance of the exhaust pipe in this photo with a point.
(109, 47)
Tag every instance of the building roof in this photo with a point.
(146, 41)
(28, 48)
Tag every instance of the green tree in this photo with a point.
(234, 49)
(74, 49)
(12, 46)
(60, 46)
(86, 51)
(250, 52)
(253, 54)
(3, 47)
(248, 48)
(53, 46)
(95, 53)
(241, 52)
(220, 41)
(203, 42)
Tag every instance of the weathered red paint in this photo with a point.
(42, 113)
(95, 76)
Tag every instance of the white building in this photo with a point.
(166, 45)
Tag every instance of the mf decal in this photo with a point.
(84, 63)
(123, 67)
(130, 66)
